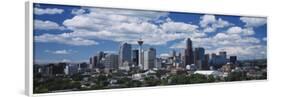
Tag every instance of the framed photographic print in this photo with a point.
(75, 48)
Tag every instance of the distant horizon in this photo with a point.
(75, 33)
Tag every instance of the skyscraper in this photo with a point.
(140, 42)
(93, 62)
(183, 57)
(189, 53)
(158, 63)
(125, 55)
(71, 69)
(100, 57)
(206, 62)
(199, 57)
(223, 57)
(135, 57)
(233, 59)
(218, 60)
(149, 58)
(174, 53)
(174, 57)
(111, 61)
(213, 60)
(223, 54)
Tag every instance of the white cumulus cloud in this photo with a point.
(209, 23)
(156, 28)
(128, 26)
(253, 21)
(41, 11)
(47, 25)
(60, 52)
(77, 11)
(64, 39)
(239, 30)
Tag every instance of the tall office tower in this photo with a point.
(100, 57)
(54, 69)
(189, 52)
(223, 56)
(71, 69)
(125, 55)
(213, 59)
(199, 57)
(83, 67)
(179, 59)
(111, 61)
(140, 42)
(213, 55)
(174, 57)
(206, 62)
(183, 57)
(135, 57)
(49, 70)
(179, 56)
(93, 62)
(174, 53)
(149, 58)
(233, 59)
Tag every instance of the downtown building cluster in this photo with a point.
(129, 58)
(126, 58)
(144, 59)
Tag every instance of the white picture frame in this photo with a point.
(29, 38)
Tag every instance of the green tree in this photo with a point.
(236, 76)
(211, 78)
(134, 83)
(197, 78)
(151, 81)
(178, 79)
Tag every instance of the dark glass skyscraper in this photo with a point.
(199, 57)
(100, 56)
(125, 54)
(223, 54)
(206, 62)
(223, 57)
(93, 62)
(233, 59)
(135, 57)
(189, 53)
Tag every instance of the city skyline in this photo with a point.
(76, 33)
(146, 59)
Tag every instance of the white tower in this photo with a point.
(140, 42)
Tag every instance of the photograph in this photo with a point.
(86, 48)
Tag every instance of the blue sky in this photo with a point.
(74, 33)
